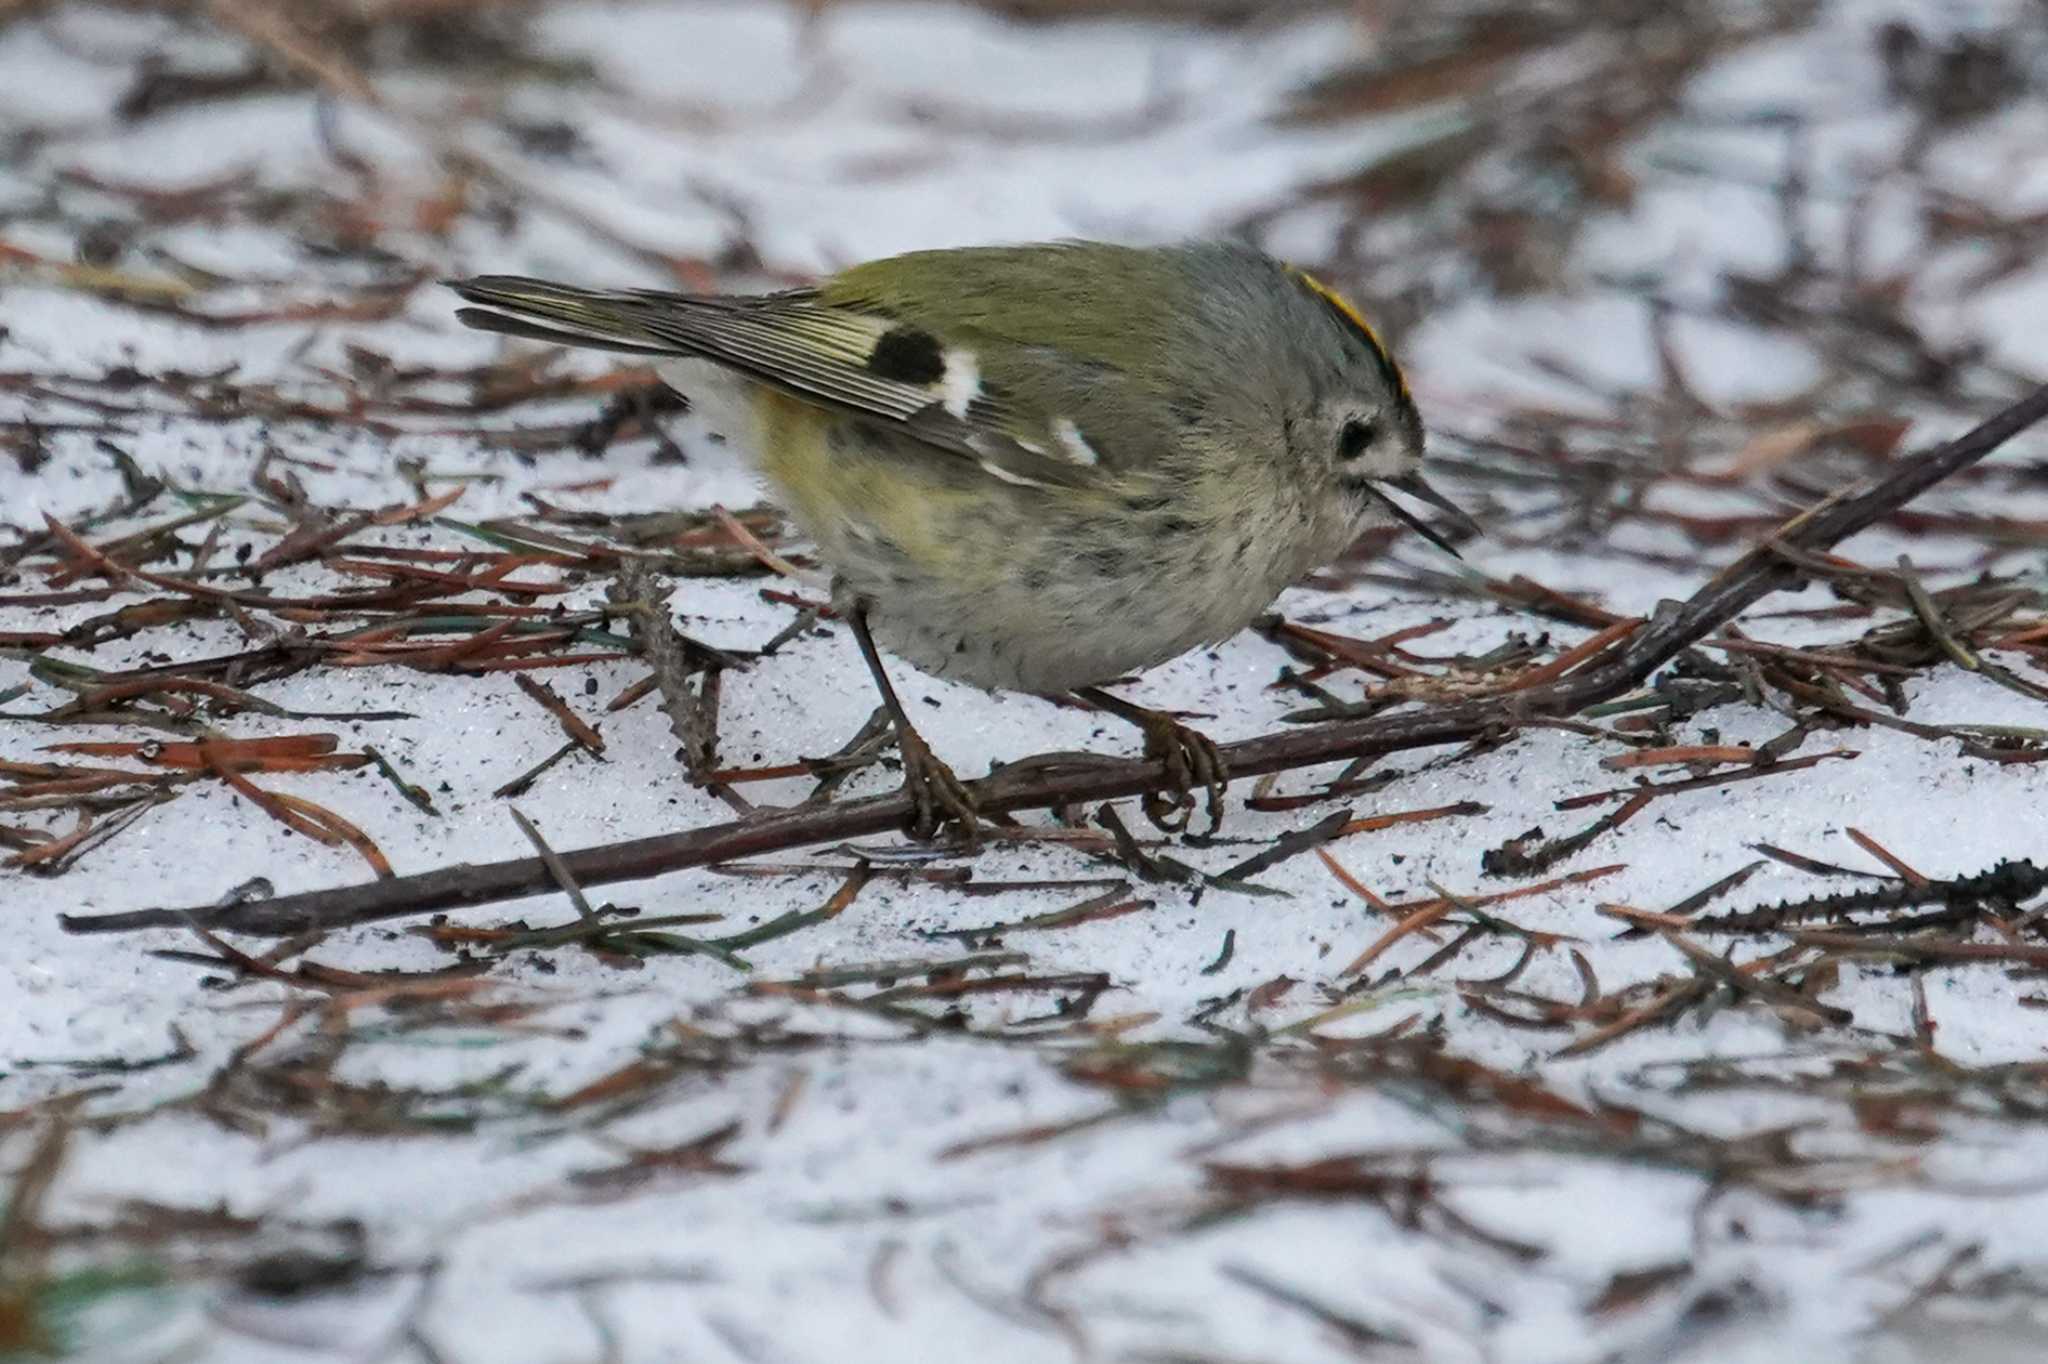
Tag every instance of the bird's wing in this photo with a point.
(857, 360)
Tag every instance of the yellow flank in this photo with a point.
(1357, 319)
(830, 496)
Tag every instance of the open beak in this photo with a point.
(1415, 487)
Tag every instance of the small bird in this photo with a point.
(1041, 467)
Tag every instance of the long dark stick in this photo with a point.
(1625, 665)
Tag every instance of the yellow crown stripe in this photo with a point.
(1356, 319)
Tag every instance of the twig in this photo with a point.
(1672, 628)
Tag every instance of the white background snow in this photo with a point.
(851, 1235)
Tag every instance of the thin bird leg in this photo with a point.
(936, 795)
(1190, 758)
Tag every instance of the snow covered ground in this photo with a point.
(751, 1154)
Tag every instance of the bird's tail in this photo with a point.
(541, 311)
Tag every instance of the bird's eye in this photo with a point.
(1357, 434)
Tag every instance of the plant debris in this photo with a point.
(1671, 852)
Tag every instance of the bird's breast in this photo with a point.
(1031, 588)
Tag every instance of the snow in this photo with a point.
(864, 1222)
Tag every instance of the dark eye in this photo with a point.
(1356, 435)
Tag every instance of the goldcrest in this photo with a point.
(1041, 467)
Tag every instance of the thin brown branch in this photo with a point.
(1672, 628)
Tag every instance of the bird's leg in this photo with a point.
(1191, 760)
(864, 749)
(936, 795)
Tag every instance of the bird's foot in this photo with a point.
(1192, 762)
(936, 795)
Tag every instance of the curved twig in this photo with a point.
(1623, 666)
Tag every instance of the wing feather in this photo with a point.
(817, 351)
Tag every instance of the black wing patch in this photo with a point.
(908, 356)
(859, 361)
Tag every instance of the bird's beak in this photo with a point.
(1415, 487)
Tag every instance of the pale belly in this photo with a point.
(1083, 632)
(1019, 588)
(1047, 598)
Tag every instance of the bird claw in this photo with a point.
(936, 795)
(1192, 760)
